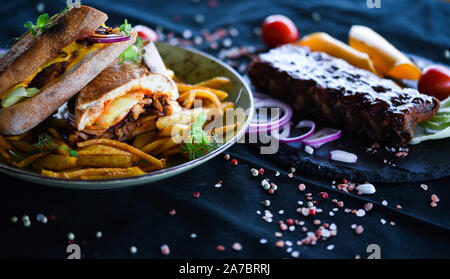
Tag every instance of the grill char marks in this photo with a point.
(335, 93)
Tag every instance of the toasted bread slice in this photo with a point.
(30, 53)
(113, 82)
(25, 115)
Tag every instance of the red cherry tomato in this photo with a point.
(435, 81)
(278, 30)
(145, 33)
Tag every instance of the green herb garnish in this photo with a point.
(198, 144)
(45, 142)
(43, 22)
(126, 27)
(133, 53)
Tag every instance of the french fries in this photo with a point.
(55, 133)
(4, 143)
(29, 160)
(4, 153)
(144, 139)
(21, 145)
(214, 83)
(188, 97)
(56, 150)
(222, 95)
(124, 147)
(104, 156)
(153, 145)
(18, 137)
(92, 173)
(185, 117)
(57, 162)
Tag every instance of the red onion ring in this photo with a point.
(268, 126)
(107, 39)
(283, 137)
(285, 131)
(322, 136)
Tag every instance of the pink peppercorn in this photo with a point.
(312, 211)
(261, 171)
(234, 162)
(290, 221)
(324, 195)
(196, 194)
(302, 187)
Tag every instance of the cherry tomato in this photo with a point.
(435, 81)
(278, 30)
(145, 33)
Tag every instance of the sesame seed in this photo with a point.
(193, 235)
(133, 249)
(14, 219)
(330, 247)
(383, 221)
(263, 241)
(385, 203)
(424, 186)
(98, 234)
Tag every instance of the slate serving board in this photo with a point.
(425, 161)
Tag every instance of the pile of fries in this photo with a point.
(51, 149)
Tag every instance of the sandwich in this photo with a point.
(50, 64)
(126, 98)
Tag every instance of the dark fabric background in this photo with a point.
(139, 215)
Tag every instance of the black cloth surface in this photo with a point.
(139, 216)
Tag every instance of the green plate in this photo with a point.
(191, 66)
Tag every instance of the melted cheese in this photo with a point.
(73, 52)
(117, 109)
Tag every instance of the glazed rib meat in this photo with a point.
(339, 95)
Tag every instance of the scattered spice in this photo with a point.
(220, 248)
(254, 172)
(234, 162)
(165, 250)
(236, 246)
(70, 236)
(302, 187)
(368, 206)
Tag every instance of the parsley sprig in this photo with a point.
(133, 53)
(43, 23)
(126, 27)
(198, 143)
(46, 142)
